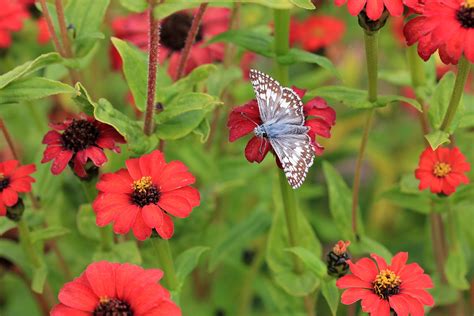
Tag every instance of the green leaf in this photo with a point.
(187, 262)
(126, 252)
(437, 138)
(29, 67)
(340, 202)
(13, 252)
(296, 55)
(354, 98)
(86, 16)
(51, 232)
(6, 225)
(305, 4)
(297, 284)
(416, 202)
(203, 130)
(384, 100)
(331, 294)
(311, 261)
(241, 234)
(39, 278)
(255, 41)
(135, 70)
(85, 220)
(32, 88)
(83, 99)
(135, 5)
(456, 270)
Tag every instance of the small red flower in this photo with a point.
(12, 15)
(115, 289)
(316, 32)
(14, 179)
(381, 287)
(244, 119)
(174, 30)
(43, 32)
(442, 170)
(143, 196)
(373, 8)
(446, 26)
(77, 141)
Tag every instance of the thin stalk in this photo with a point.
(27, 244)
(165, 258)
(282, 47)
(193, 31)
(418, 80)
(463, 71)
(371, 54)
(57, 45)
(153, 47)
(63, 28)
(437, 239)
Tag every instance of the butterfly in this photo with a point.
(281, 111)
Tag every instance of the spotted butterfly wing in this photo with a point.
(296, 155)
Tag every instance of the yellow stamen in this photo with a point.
(2, 176)
(441, 169)
(143, 184)
(469, 3)
(103, 299)
(386, 283)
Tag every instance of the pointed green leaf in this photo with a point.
(296, 55)
(311, 261)
(331, 294)
(32, 89)
(39, 278)
(437, 138)
(456, 270)
(187, 262)
(305, 4)
(52, 232)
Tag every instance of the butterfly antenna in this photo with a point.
(248, 118)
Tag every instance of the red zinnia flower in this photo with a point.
(83, 139)
(399, 286)
(174, 30)
(446, 26)
(373, 8)
(442, 170)
(316, 32)
(43, 32)
(244, 119)
(12, 15)
(14, 179)
(143, 196)
(115, 289)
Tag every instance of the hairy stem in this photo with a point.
(153, 47)
(463, 71)
(193, 31)
(165, 258)
(57, 44)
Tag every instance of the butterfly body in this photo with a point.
(281, 112)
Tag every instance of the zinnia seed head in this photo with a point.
(175, 29)
(144, 192)
(386, 284)
(4, 182)
(79, 135)
(465, 14)
(441, 169)
(112, 306)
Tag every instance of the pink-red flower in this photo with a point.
(442, 170)
(12, 15)
(77, 141)
(381, 287)
(316, 32)
(320, 118)
(143, 196)
(14, 179)
(106, 288)
(373, 8)
(174, 30)
(446, 26)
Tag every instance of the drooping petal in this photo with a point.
(175, 205)
(101, 277)
(365, 269)
(166, 230)
(351, 296)
(352, 281)
(9, 196)
(78, 296)
(152, 215)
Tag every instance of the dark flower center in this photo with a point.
(465, 15)
(144, 192)
(80, 135)
(386, 284)
(4, 182)
(112, 307)
(175, 29)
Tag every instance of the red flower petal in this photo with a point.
(398, 261)
(152, 215)
(175, 205)
(415, 307)
(52, 137)
(63, 310)
(256, 149)
(365, 269)
(23, 171)
(78, 296)
(351, 281)
(115, 182)
(125, 219)
(133, 167)
(399, 305)
(351, 296)
(140, 229)
(166, 308)
(96, 155)
(61, 161)
(167, 229)
(51, 152)
(9, 196)
(101, 277)
(381, 263)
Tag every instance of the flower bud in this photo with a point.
(336, 259)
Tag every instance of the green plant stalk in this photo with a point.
(165, 258)
(27, 244)
(282, 47)
(418, 80)
(463, 71)
(371, 54)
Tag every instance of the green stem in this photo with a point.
(463, 71)
(418, 80)
(282, 44)
(27, 244)
(371, 55)
(165, 258)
